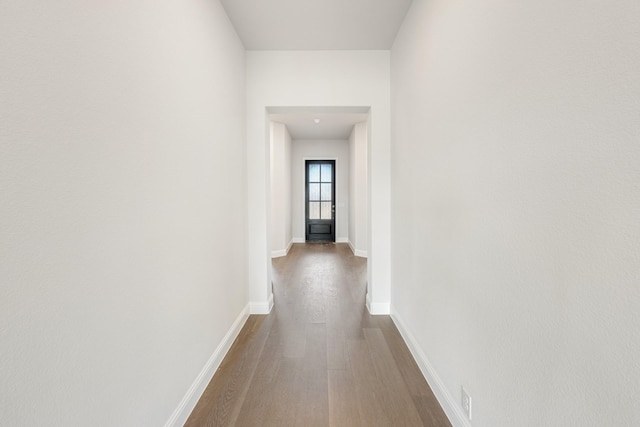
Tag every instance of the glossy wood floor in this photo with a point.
(319, 358)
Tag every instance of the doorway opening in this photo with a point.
(319, 186)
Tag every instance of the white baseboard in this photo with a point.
(448, 403)
(279, 254)
(298, 240)
(261, 307)
(357, 252)
(342, 240)
(190, 399)
(282, 252)
(378, 308)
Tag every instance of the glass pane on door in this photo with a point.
(314, 192)
(326, 172)
(314, 210)
(314, 173)
(325, 212)
(325, 194)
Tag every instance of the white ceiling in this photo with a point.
(316, 24)
(335, 123)
(331, 126)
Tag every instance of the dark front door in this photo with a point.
(320, 177)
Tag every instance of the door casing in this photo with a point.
(323, 229)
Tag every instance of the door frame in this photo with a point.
(332, 221)
(260, 111)
(303, 206)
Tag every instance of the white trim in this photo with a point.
(342, 240)
(279, 254)
(282, 252)
(188, 402)
(447, 402)
(298, 240)
(357, 252)
(378, 308)
(261, 307)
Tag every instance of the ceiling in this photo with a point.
(316, 24)
(334, 123)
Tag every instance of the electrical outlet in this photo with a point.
(466, 403)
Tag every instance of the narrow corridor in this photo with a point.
(319, 358)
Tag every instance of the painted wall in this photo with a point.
(281, 235)
(516, 198)
(317, 78)
(358, 228)
(122, 206)
(320, 150)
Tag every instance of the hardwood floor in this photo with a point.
(319, 358)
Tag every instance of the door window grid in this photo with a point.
(320, 186)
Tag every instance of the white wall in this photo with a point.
(281, 235)
(358, 228)
(318, 78)
(122, 206)
(516, 198)
(337, 150)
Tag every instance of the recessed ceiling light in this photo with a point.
(316, 121)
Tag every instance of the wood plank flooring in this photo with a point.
(319, 359)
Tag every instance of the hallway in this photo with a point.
(319, 358)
